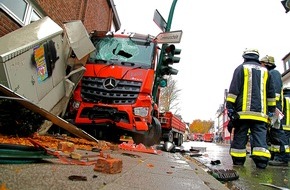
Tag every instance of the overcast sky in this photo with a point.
(215, 33)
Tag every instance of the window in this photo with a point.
(21, 11)
(287, 65)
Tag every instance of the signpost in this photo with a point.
(169, 37)
(159, 20)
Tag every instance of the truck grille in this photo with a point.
(123, 92)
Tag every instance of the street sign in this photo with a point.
(159, 20)
(169, 37)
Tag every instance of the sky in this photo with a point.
(215, 34)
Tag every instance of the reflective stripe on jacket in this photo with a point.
(251, 92)
(286, 119)
(278, 85)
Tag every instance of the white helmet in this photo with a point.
(251, 51)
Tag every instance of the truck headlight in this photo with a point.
(141, 111)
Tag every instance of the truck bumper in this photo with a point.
(120, 117)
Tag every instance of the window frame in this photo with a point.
(29, 10)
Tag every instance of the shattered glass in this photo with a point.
(123, 50)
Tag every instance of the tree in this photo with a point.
(198, 126)
(169, 96)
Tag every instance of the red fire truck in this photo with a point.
(208, 137)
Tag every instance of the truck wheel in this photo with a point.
(179, 140)
(170, 137)
(150, 137)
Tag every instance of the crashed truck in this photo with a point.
(102, 84)
(115, 95)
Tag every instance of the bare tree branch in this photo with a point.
(169, 96)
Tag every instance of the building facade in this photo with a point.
(100, 15)
(286, 72)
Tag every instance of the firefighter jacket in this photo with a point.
(278, 85)
(286, 111)
(251, 92)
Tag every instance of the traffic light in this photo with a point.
(286, 5)
(169, 58)
(163, 82)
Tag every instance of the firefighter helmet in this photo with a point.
(268, 61)
(251, 51)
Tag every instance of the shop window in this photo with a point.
(22, 12)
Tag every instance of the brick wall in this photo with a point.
(98, 15)
(61, 10)
(95, 14)
(6, 25)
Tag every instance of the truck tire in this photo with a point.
(179, 140)
(170, 137)
(150, 137)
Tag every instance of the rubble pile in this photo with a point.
(17, 120)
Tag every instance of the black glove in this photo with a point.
(230, 126)
(233, 115)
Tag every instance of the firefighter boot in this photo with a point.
(278, 163)
(238, 161)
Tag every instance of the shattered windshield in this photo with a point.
(134, 52)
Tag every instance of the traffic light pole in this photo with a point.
(170, 16)
(167, 29)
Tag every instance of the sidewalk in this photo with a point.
(142, 171)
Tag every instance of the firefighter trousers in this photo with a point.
(279, 147)
(259, 148)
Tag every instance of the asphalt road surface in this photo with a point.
(250, 177)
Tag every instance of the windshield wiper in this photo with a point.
(101, 61)
(127, 63)
(92, 60)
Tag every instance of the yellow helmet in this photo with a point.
(251, 51)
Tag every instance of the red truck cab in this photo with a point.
(114, 96)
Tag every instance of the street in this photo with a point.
(249, 176)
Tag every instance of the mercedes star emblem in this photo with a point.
(110, 83)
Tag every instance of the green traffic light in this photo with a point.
(163, 83)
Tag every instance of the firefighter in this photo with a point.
(251, 99)
(283, 158)
(277, 138)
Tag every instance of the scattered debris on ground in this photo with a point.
(131, 146)
(224, 174)
(215, 162)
